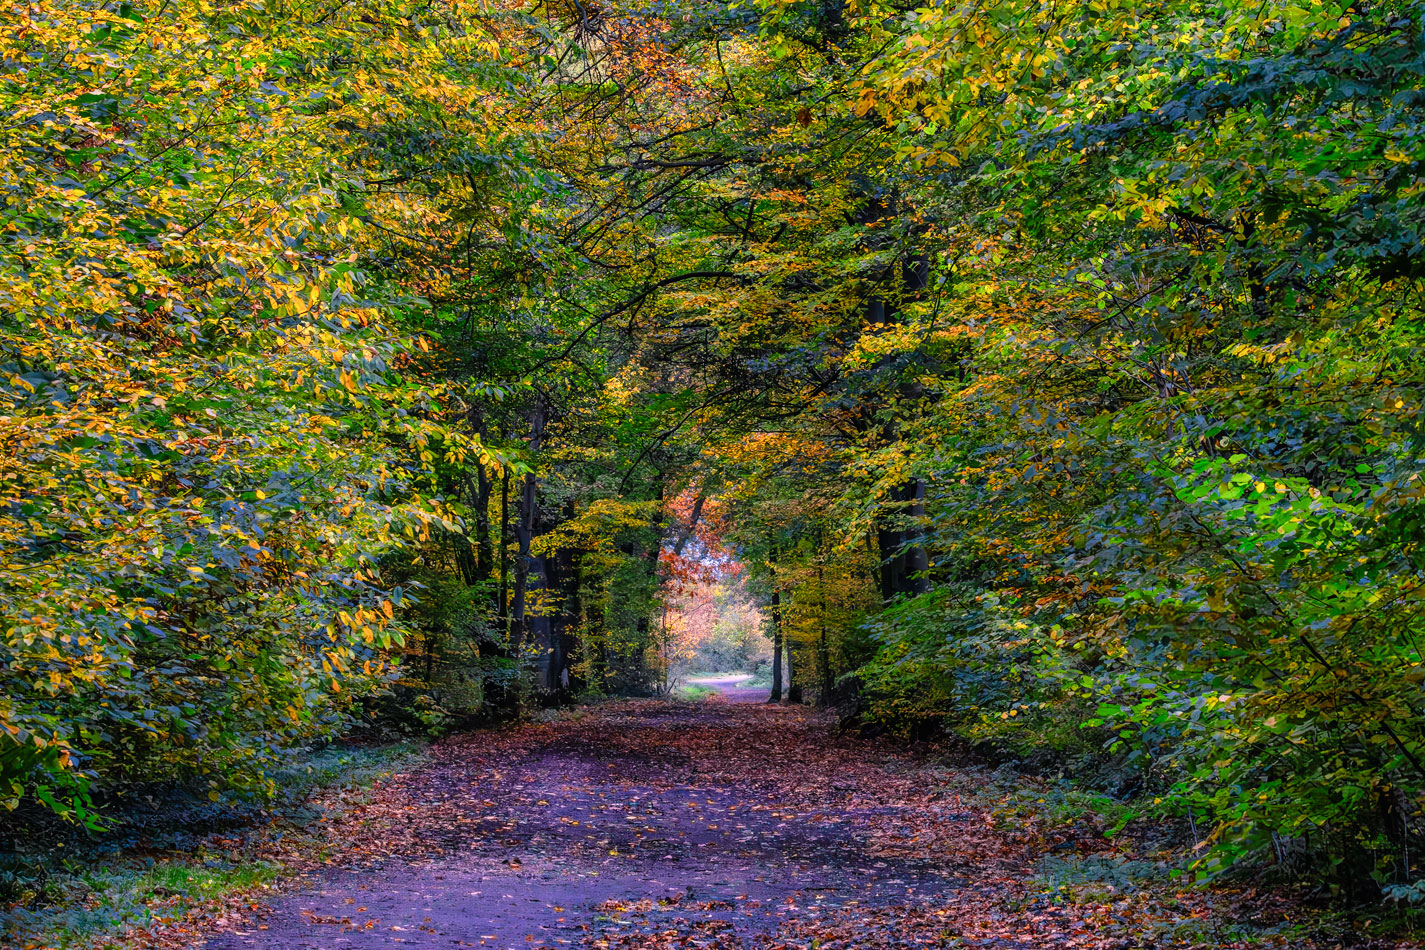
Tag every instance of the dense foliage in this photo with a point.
(1053, 370)
(205, 408)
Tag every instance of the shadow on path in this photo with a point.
(634, 825)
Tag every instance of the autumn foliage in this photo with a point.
(1046, 375)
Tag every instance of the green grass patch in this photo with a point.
(693, 694)
(762, 679)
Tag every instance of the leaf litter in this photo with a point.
(645, 825)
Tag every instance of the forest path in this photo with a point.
(733, 688)
(657, 826)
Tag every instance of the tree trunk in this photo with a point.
(484, 551)
(888, 542)
(565, 579)
(794, 689)
(542, 621)
(529, 570)
(776, 696)
(503, 605)
(578, 626)
(824, 648)
(900, 534)
(904, 559)
(464, 562)
(596, 638)
(916, 558)
(876, 567)
(651, 566)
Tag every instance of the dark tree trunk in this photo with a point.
(876, 568)
(542, 622)
(529, 570)
(823, 647)
(914, 559)
(794, 689)
(502, 607)
(484, 550)
(578, 623)
(888, 541)
(483, 562)
(651, 566)
(904, 559)
(900, 532)
(564, 577)
(686, 532)
(464, 561)
(776, 696)
(596, 638)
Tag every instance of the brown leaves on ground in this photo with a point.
(652, 826)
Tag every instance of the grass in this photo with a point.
(156, 869)
(97, 906)
(693, 694)
(762, 679)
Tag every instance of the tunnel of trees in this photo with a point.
(1052, 373)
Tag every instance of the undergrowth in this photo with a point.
(154, 865)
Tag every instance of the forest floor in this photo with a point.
(667, 826)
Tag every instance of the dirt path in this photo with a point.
(663, 826)
(732, 688)
(714, 820)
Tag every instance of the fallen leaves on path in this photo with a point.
(652, 826)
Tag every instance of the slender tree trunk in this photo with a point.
(542, 622)
(464, 562)
(564, 578)
(794, 689)
(900, 533)
(484, 551)
(916, 559)
(776, 696)
(596, 637)
(667, 657)
(529, 570)
(651, 567)
(824, 648)
(578, 624)
(888, 542)
(876, 566)
(686, 532)
(503, 605)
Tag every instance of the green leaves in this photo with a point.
(204, 395)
